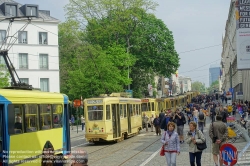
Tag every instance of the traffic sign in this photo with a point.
(229, 154)
(229, 108)
(77, 103)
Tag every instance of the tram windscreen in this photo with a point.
(144, 107)
(95, 112)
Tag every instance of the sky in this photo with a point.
(197, 26)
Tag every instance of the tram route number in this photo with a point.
(94, 101)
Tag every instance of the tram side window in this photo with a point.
(121, 110)
(95, 112)
(149, 107)
(130, 109)
(144, 107)
(15, 114)
(172, 103)
(139, 109)
(57, 116)
(45, 117)
(31, 117)
(108, 112)
(153, 106)
(167, 105)
(125, 111)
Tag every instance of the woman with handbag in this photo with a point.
(197, 143)
(171, 144)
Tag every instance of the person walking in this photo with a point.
(180, 121)
(151, 123)
(145, 121)
(156, 123)
(195, 115)
(201, 120)
(72, 120)
(170, 140)
(194, 136)
(218, 132)
(82, 121)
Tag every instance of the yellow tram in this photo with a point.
(28, 119)
(112, 118)
(148, 107)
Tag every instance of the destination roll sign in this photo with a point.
(243, 13)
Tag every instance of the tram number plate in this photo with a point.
(95, 139)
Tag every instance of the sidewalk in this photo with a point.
(74, 134)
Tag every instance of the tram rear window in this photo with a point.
(95, 112)
(144, 106)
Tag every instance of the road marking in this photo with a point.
(151, 157)
(141, 135)
(79, 145)
(79, 138)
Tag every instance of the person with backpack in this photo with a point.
(180, 121)
(156, 123)
(201, 120)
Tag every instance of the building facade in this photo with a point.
(238, 79)
(35, 53)
(185, 84)
(214, 73)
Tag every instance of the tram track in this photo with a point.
(126, 143)
(138, 152)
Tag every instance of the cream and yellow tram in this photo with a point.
(148, 107)
(112, 118)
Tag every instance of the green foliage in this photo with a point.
(213, 86)
(4, 77)
(198, 86)
(123, 38)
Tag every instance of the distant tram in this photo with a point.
(112, 118)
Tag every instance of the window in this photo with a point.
(2, 35)
(45, 117)
(153, 106)
(121, 110)
(2, 60)
(95, 112)
(43, 61)
(130, 109)
(57, 116)
(11, 10)
(108, 112)
(22, 37)
(44, 84)
(144, 106)
(43, 38)
(23, 61)
(125, 111)
(31, 11)
(31, 117)
(149, 107)
(15, 119)
(24, 80)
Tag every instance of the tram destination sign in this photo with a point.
(242, 15)
(94, 101)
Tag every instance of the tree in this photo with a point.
(198, 86)
(4, 77)
(88, 70)
(214, 86)
(128, 24)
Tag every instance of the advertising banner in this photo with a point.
(242, 15)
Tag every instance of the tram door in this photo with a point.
(129, 110)
(1, 132)
(116, 121)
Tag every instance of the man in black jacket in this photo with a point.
(180, 118)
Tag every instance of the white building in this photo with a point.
(35, 54)
(240, 79)
(185, 84)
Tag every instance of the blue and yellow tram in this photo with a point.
(28, 119)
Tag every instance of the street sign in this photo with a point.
(229, 108)
(77, 103)
(130, 93)
(229, 154)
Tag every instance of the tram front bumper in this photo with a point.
(96, 137)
